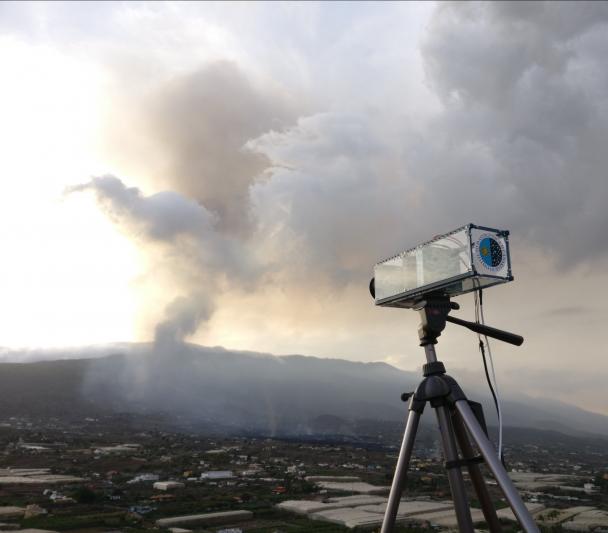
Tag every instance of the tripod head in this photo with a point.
(434, 313)
(434, 310)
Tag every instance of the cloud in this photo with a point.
(331, 189)
(294, 198)
(321, 199)
(194, 127)
(187, 134)
(525, 98)
(517, 143)
(200, 259)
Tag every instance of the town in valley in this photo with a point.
(133, 473)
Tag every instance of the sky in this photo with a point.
(229, 173)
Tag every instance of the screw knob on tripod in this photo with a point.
(433, 369)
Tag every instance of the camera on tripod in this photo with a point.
(424, 278)
(466, 259)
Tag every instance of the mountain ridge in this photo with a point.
(242, 390)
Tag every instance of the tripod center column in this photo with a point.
(429, 350)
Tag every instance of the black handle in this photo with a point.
(495, 333)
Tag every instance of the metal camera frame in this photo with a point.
(451, 286)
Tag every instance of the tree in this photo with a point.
(84, 495)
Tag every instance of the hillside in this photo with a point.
(242, 391)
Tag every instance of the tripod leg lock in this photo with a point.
(437, 388)
(416, 404)
(456, 393)
(432, 387)
(459, 463)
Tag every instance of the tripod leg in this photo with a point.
(459, 494)
(502, 478)
(487, 506)
(400, 472)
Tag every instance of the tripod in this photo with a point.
(457, 421)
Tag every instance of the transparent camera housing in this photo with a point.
(466, 259)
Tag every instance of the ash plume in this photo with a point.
(201, 259)
(182, 318)
(196, 125)
(188, 135)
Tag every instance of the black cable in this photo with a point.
(482, 349)
(478, 304)
(485, 368)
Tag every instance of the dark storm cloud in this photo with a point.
(522, 138)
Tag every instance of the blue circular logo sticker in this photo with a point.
(491, 252)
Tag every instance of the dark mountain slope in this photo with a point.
(242, 391)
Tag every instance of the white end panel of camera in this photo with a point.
(490, 253)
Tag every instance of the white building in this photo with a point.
(120, 448)
(207, 519)
(168, 485)
(214, 475)
(590, 488)
(144, 477)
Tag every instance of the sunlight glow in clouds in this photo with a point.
(66, 272)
